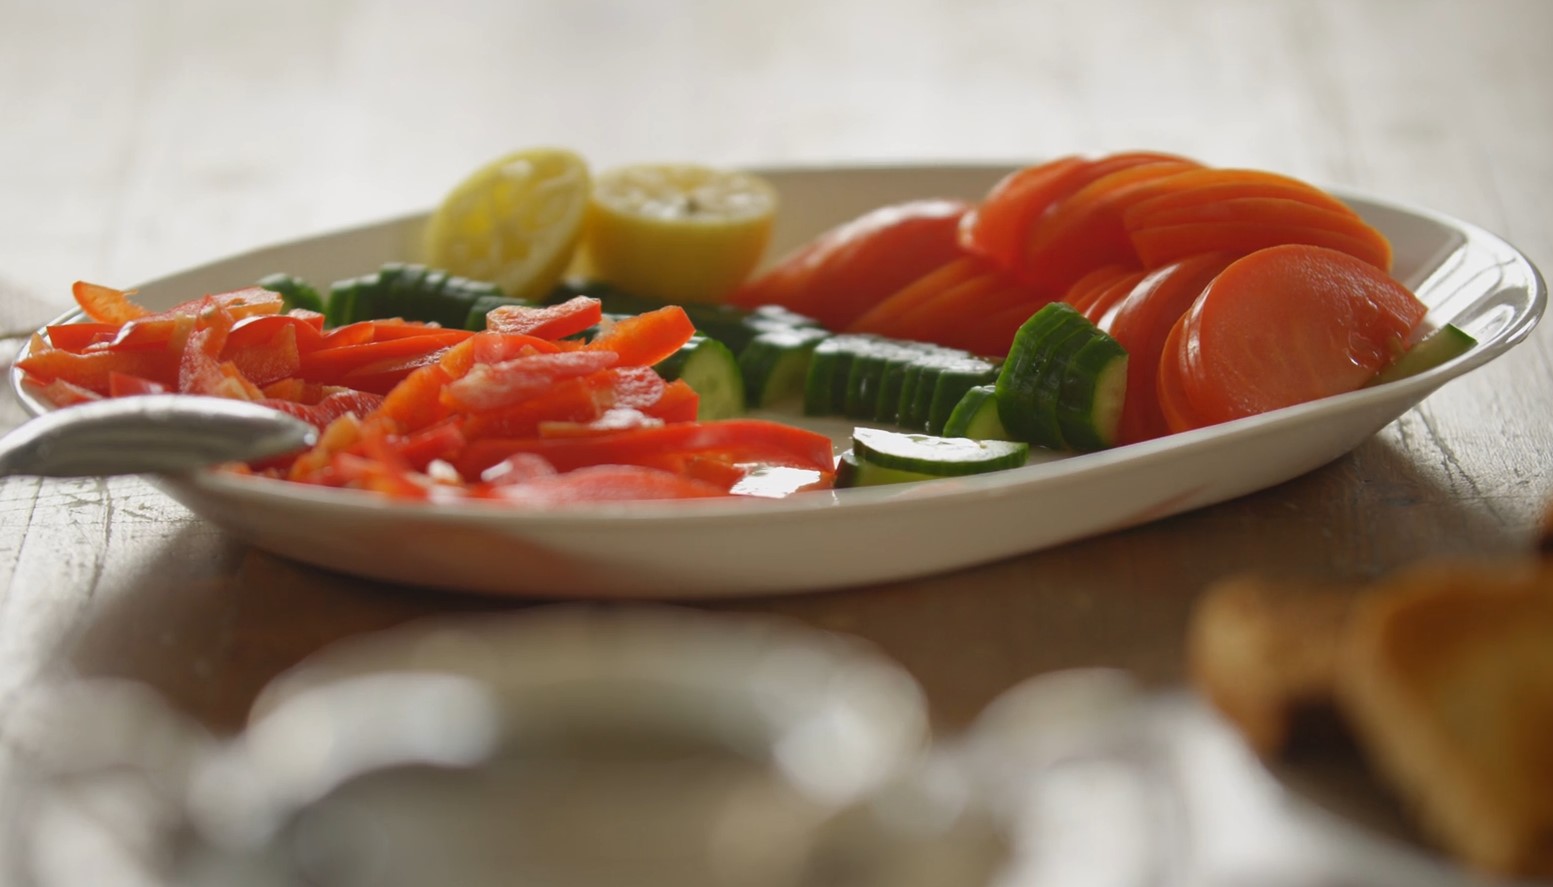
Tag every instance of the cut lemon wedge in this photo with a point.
(680, 233)
(514, 222)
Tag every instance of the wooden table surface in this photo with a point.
(141, 137)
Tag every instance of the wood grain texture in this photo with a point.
(148, 135)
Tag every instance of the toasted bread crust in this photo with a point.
(1265, 654)
(1446, 676)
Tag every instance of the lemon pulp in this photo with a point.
(514, 222)
(678, 232)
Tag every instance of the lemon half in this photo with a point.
(514, 222)
(678, 232)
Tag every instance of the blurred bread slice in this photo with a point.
(1265, 654)
(1446, 678)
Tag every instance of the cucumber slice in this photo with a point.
(775, 365)
(1444, 344)
(343, 294)
(294, 292)
(852, 472)
(865, 382)
(976, 416)
(1063, 377)
(830, 369)
(1094, 386)
(708, 367)
(953, 381)
(936, 456)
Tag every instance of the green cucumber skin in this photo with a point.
(852, 472)
(952, 385)
(708, 367)
(294, 292)
(1022, 406)
(1444, 344)
(1089, 408)
(1051, 392)
(976, 416)
(936, 456)
(775, 366)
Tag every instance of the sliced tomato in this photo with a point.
(1003, 225)
(998, 227)
(546, 321)
(1244, 225)
(1291, 324)
(644, 339)
(1084, 230)
(847, 270)
(884, 317)
(1140, 323)
(1096, 304)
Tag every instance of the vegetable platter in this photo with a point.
(827, 538)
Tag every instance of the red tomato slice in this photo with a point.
(546, 321)
(851, 268)
(1140, 323)
(1084, 230)
(1291, 324)
(1006, 220)
(998, 228)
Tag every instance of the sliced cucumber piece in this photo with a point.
(1444, 344)
(936, 456)
(294, 292)
(830, 370)
(708, 367)
(775, 365)
(1094, 386)
(341, 308)
(976, 416)
(1063, 377)
(865, 382)
(853, 472)
(953, 381)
